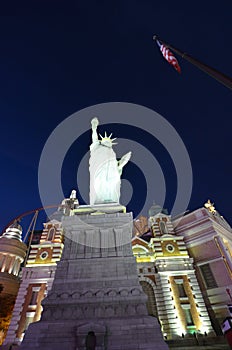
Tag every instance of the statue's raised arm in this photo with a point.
(105, 170)
(94, 123)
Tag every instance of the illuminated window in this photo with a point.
(51, 234)
(208, 276)
(188, 316)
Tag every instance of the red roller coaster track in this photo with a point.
(19, 217)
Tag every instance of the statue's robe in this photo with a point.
(104, 174)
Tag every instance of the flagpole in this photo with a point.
(222, 78)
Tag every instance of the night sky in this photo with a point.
(60, 57)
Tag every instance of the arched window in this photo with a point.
(151, 301)
(163, 227)
(51, 234)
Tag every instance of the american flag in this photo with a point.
(168, 55)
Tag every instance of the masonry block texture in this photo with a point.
(96, 289)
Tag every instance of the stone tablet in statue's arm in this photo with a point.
(123, 161)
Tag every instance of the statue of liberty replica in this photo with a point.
(105, 170)
(96, 301)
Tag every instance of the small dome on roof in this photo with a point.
(16, 225)
(14, 231)
(156, 209)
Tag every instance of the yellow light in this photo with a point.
(204, 329)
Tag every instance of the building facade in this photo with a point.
(167, 274)
(208, 239)
(183, 264)
(36, 280)
(12, 255)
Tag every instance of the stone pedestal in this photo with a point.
(96, 289)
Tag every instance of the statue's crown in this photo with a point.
(108, 139)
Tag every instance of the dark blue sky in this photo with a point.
(59, 57)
